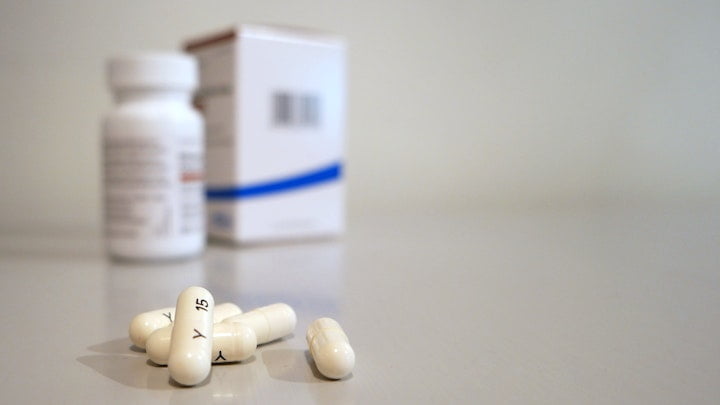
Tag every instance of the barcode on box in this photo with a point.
(294, 110)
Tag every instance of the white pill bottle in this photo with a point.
(153, 150)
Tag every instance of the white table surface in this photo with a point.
(605, 306)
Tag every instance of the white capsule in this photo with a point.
(330, 348)
(269, 323)
(225, 310)
(143, 325)
(231, 342)
(191, 338)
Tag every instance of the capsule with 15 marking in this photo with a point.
(191, 339)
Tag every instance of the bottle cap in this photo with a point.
(153, 70)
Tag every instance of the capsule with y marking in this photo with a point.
(191, 338)
(269, 323)
(231, 342)
(330, 348)
(143, 325)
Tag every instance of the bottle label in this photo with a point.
(153, 187)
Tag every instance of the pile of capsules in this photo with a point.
(195, 334)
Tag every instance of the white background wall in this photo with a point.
(453, 105)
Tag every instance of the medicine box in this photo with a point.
(273, 99)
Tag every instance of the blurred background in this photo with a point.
(453, 106)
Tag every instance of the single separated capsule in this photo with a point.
(269, 323)
(143, 325)
(330, 348)
(231, 342)
(191, 338)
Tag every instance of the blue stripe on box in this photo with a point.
(312, 178)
